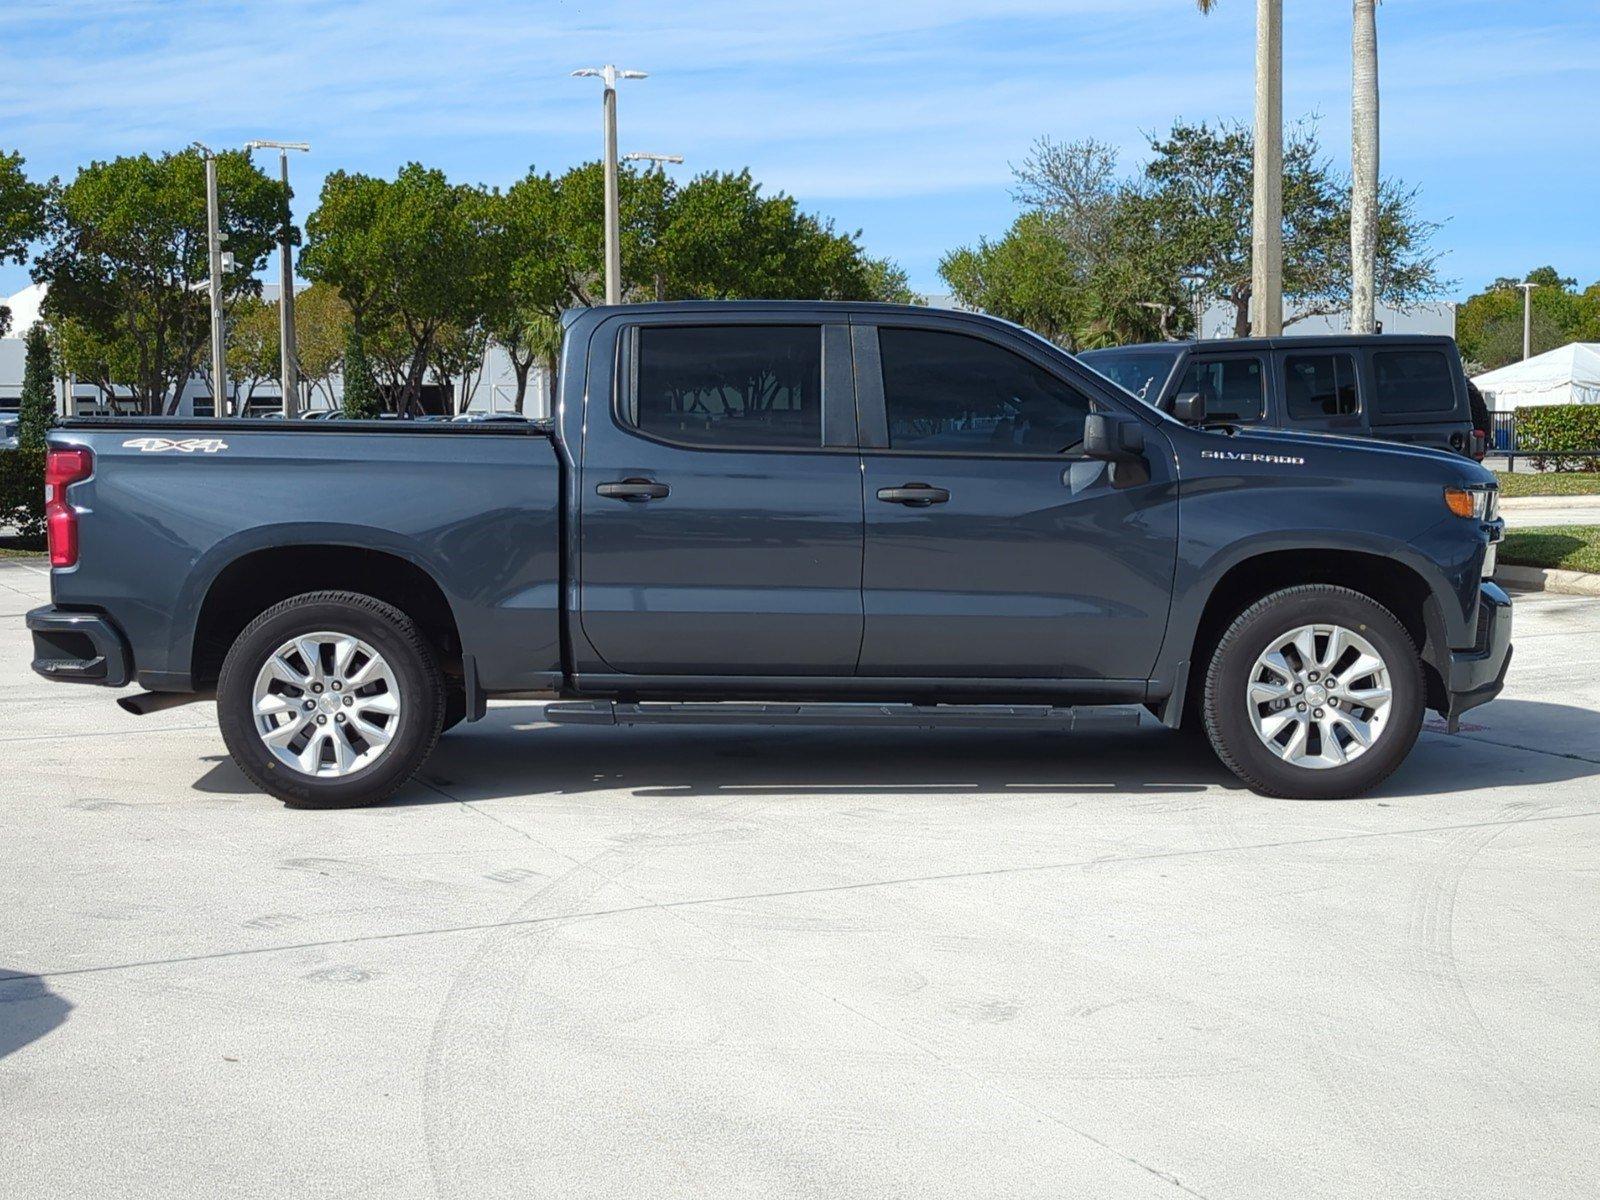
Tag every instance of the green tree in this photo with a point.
(321, 332)
(1489, 323)
(404, 254)
(125, 240)
(360, 392)
(22, 210)
(253, 343)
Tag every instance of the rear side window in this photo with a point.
(946, 393)
(1320, 385)
(747, 386)
(1412, 381)
(1231, 388)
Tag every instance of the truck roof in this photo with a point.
(1290, 342)
(797, 306)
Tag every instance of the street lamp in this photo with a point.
(1527, 319)
(214, 240)
(286, 346)
(655, 158)
(609, 75)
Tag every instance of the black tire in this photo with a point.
(389, 632)
(1227, 681)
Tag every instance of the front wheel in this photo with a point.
(330, 700)
(1314, 692)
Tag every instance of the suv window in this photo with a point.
(949, 393)
(1412, 381)
(1320, 385)
(1231, 388)
(753, 386)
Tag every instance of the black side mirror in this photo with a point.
(1190, 408)
(1113, 437)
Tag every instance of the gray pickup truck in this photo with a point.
(777, 513)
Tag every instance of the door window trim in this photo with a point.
(1261, 360)
(838, 434)
(874, 410)
(1358, 418)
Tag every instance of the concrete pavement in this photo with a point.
(1530, 512)
(660, 963)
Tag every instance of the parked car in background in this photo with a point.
(1398, 387)
(8, 431)
(784, 513)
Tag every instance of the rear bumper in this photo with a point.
(1478, 675)
(79, 647)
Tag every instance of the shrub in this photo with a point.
(22, 470)
(1561, 437)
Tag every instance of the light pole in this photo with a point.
(609, 75)
(214, 238)
(638, 156)
(287, 359)
(1266, 234)
(1527, 319)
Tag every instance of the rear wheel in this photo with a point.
(329, 700)
(1314, 692)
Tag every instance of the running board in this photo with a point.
(904, 716)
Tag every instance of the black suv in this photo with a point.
(1398, 387)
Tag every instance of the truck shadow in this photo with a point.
(28, 1010)
(513, 752)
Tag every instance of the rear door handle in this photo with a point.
(635, 490)
(914, 495)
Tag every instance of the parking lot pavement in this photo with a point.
(661, 962)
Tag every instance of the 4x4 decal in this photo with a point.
(159, 445)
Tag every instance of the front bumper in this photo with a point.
(79, 647)
(1478, 675)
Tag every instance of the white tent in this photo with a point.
(1568, 375)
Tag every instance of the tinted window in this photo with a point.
(1138, 371)
(1320, 385)
(945, 392)
(729, 385)
(1231, 388)
(1412, 381)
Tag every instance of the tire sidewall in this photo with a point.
(1228, 719)
(415, 674)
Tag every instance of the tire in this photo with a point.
(1240, 672)
(388, 665)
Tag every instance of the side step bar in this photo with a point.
(904, 716)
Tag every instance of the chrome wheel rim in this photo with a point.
(1319, 696)
(326, 704)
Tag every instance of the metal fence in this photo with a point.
(1503, 442)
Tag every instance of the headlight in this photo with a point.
(1477, 504)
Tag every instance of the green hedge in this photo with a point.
(22, 490)
(1558, 435)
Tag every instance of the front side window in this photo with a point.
(1231, 388)
(1412, 381)
(947, 393)
(1141, 372)
(1320, 385)
(743, 386)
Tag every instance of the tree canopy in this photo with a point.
(1099, 258)
(1489, 324)
(22, 209)
(125, 239)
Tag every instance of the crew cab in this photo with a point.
(1406, 388)
(777, 513)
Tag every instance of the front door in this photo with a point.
(993, 547)
(720, 500)
(1321, 391)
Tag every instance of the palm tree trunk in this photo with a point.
(1364, 169)
(1266, 218)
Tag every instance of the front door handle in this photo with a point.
(914, 495)
(635, 490)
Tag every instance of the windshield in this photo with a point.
(1142, 372)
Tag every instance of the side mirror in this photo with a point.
(1113, 437)
(1190, 408)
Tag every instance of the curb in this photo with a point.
(1529, 503)
(1542, 579)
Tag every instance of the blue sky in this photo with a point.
(898, 118)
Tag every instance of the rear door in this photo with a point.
(1321, 391)
(993, 547)
(1419, 396)
(720, 498)
(1234, 387)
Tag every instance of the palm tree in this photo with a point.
(1266, 215)
(1364, 168)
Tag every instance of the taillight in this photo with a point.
(63, 467)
